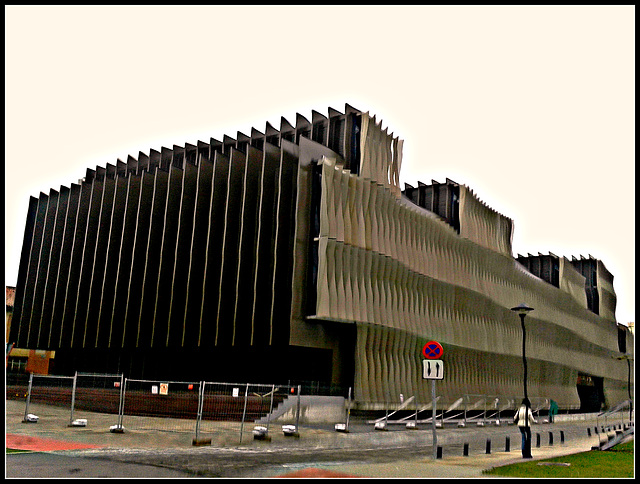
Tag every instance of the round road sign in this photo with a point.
(432, 350)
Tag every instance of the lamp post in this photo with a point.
(628, 357)
(522, 311)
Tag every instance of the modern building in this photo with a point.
(294, 255)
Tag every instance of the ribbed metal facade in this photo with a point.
(293, 254)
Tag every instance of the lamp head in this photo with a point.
(522, 308)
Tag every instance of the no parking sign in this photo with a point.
(432, 350)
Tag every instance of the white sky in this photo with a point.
(531, 107)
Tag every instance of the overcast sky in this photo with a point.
(531, 107)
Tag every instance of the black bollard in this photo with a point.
(537, 439)
(562, 436)
(488, 447)
(507, 444)
(439, 452)
(589, 431)
(550, 438)
(465, 449)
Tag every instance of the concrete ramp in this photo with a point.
(620, 437)
(313, 409)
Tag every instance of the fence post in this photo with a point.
(298, 412)
(124, 396)
(349, 409)
(26, 408)
(273, 390)
(199, 413)
(73, 397)
(121, 402)
(244, 411)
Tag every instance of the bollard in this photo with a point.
(550, 438)
(507, 444)
(465, 449)
(488, 447)
(562, 436)
(589, 431)
(439, 452)
(596, 429)
(537, 439)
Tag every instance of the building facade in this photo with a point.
(294, 255)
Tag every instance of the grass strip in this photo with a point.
(616, 462)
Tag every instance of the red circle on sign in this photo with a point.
(432, 350)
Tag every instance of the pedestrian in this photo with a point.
(553, 410)
(524, 419)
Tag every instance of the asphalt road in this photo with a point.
(267, 459)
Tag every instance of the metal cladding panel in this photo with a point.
(48, 297)
(243, 311)
(18, 331)
(161, 328)
(283, 250)
(607, 294)
(182, 255)
(263, 276)
(230, 249)
(572, 282)
(86, 263)
(152, 260)
(109, 276)
(32, 274)
(215, 233)
(43, 267)
(301, 332)
(74, 266)
(138, 261)
(198, 252)
(125, 256)
(60, 282)
(483, 225)
(94, 289)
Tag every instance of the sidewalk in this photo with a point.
(96, 441)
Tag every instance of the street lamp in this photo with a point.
(522, 311)
(628, 357)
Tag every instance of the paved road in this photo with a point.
(57, 464)
(398, 452)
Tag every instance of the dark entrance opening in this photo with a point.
(591, 392)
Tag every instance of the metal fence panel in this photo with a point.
(44, 390)
(95, 392)
(160, 405)
(230, 410)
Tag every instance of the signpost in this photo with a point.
(433, 369)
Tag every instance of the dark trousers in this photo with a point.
(526, 441)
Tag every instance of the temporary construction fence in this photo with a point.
(95, 392)
(205, 409)
(81, 393)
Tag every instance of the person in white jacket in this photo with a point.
(524, 419)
